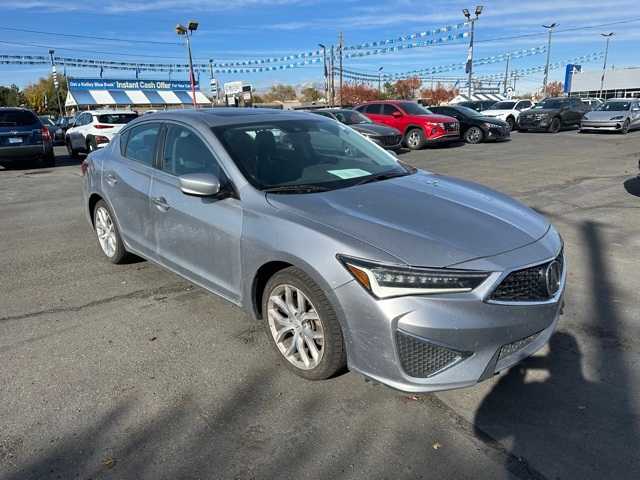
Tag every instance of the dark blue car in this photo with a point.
(24, 140)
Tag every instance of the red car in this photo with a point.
(418, 125)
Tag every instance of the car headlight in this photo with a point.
(619, 117)
(385, 281)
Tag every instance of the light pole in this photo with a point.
(472, 21)
(56, 84)
(604, 65)
(546, 67)
(326, 72)
(188, 32)
(380, 80)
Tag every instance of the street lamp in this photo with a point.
(326, 72)
(380, 80)
(56, 84)
(546, 67)
(188, 32)
(606, 53)
(472, 21)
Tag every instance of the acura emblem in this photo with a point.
(552, 277)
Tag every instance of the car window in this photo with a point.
(17, 118)
(184, 153)
(523, 105)
(141, 144)
(388, 109)
(117, 118)
(503, 106)
(373, 108)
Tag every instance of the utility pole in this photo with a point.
(380, 80)
(333, 84)
(506, 74)
(56, 84)
(604, 65)
(341, 46)
(546, 68)
(213, 83)
(326, 72)
(469, 65)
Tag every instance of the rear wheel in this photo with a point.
(554, 127)
(108, 234)
(415, 139)
(474, 135)
(511, 122)
(72, 152)
(49, 160)
(302, 325)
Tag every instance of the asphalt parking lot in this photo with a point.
(123, 372)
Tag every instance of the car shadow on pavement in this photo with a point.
(632, 186)
(572, 427)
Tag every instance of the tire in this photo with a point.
(72, 153)
(102, 218)
(49, 160)
(92, 146)
(511, 122)
(473, 135)
(523, 130)
(625, 127)
(414, 139)
(554, 127)
(330, 355)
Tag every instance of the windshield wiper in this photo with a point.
(380, 176)
(310, 188)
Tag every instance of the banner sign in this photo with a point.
(106, 84)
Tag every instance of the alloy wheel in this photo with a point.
(413, 139)
(295, 326)
(105, 230)
(474, 135)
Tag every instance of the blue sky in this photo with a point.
(250, 29)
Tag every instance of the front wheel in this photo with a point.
(473, 135)
(70, 150)
(415, 139)
(625, 127)
(511, 123)
(302, 325)
(555, 125)
(108, 234)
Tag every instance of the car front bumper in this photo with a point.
(498, 133)
(471, 337)
(534, 123)
(612, 125)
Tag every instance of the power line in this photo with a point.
(92, 37)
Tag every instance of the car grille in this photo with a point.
(513, 347)
(391, 139)
(451, 126)
(527, 285)
(421, 359)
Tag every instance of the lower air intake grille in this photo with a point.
(423, 359)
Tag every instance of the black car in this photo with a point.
(24, 140)
(387, 137)
(477, 105)
(475, 127)
(552, 114)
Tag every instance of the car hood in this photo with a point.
(496, 112)
(604, 116)
(423, 219)
(375, 129)
(435, 118)
(548, 111)
(492, 120)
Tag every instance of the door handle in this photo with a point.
(111, 179)
(161, 203)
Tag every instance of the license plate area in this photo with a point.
(14, 140)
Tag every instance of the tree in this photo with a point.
(11, 96)
(280, 93)
(406, 89)
(554, 89)
(41, 96)
(438, 94)
(355, 93)
(311, 95)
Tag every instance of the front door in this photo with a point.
(126, 180)
(198, 237)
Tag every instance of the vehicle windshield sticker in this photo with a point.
(349, 173)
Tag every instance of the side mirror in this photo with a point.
(396, 114)
(200, 184)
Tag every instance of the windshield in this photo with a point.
(468, 111)
(351, 117)
(615, 106)
(17, 118)
(551, 103)
(47, 121)
(413, 108)
(304, 153)
(117, 118)
(503, 106)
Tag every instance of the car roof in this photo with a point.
(214, 117)
(107, 111)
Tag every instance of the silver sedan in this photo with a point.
(616, 115)
(347, 256)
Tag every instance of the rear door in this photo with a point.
(373, 110)
(387, 117)
(198, 237)
(126, 181)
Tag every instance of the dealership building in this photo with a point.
(618, 83)
(94, 93)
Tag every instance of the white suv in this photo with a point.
(508, 110)
(94, 129)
